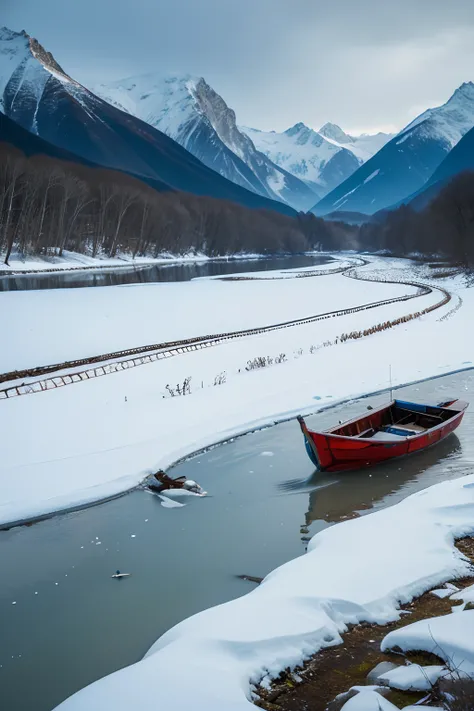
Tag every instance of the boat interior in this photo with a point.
(400, 419)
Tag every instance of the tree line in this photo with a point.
(48, 206)
(445, 227)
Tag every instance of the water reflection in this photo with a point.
(356, 491)
(155, 273)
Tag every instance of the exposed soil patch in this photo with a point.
(334, 670)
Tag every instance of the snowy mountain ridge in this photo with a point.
(25, 65)
(408, 161)
(324, 158)
(363, 147)
(448, 122)
(38, 95)
(188, 110)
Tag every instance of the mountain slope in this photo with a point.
(404, 164)
(306, 154)
(459, 160)
(37, 93)
(188, 110)
(323, 158)
(30, 145)
(363, 147)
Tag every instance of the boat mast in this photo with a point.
(390, 378)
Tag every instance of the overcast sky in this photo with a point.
(367, 65)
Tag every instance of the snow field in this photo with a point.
(58, 325)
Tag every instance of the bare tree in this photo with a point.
(14, 171)
(123, 203)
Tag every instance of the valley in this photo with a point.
(236, 281)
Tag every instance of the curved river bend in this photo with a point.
(65, 622)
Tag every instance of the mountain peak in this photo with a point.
(297, 128)
(46, 58)
(14, 43)
(7, 34)
(335, 132)
(466, 89)
(451, 120)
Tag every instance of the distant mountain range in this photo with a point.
(407, 162)
(188, 110)
(36, 93)
(296, 166)
(176, 132)
(323, 158)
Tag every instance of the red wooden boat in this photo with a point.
(384, 433)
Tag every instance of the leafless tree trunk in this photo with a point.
(13, 190)
(124, 202)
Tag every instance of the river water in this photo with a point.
(71, 623)
(153, 273)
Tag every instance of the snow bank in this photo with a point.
(298, 272)
(354, 571)
(412, 677)
(75, 260)
(368, 700)
(466, 595)
(450, 637)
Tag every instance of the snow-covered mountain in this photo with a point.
(36, 93)
(404, 164)
(306, 154)
(459, 160)
(323, 158)
(188, 110)
(363, 147)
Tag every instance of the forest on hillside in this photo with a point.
(48, 206)
(445, 227)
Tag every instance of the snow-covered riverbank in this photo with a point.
(359, 570)
(74, 260)
(94, 439)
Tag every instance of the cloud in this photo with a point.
(363, 65)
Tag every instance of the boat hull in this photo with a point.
(333, 452)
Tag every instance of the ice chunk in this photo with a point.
(169, 503)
